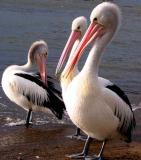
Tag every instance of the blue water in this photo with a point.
(22, 22)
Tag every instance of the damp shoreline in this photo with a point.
(50, 142)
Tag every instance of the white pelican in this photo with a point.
(27, 90)
(102, 112)
(78, 28)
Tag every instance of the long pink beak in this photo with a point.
(72, 38)
(41, 62)
(94, 31)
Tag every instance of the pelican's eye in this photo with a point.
(95, 19)
(45, 54)
(78, 27)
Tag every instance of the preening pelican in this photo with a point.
(78, 28)
(30, 91)
(101, 111)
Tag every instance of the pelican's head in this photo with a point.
(38, 55)
(106, 15)
(105, 20)
(79, 26)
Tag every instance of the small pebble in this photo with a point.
(37, 157)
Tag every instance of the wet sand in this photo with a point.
(49, 142)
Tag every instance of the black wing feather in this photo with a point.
(55, 102)
(127, 133)
(120, 93)
(50, 83)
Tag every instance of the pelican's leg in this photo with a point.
(84, 152)
(28, 119)
(77, 135)
(99, 156)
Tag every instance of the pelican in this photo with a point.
(78, 28)
(103, 112)
(31, 91)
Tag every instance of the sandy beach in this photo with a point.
(50, 142)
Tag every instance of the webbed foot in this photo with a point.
(77, 156)
(78, 135)
(95, 157)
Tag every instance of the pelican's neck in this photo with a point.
(92, 63)
(91, 66)
(75, 70)
(26, 67)
(29, 65)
